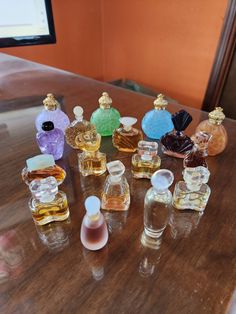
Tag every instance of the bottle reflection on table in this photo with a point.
(96, 261)
(115, 221)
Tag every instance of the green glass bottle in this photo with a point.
(105, 118)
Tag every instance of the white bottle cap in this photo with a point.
(92, 205)
(128, 122)
(78, 112)
(162, 179)
(40, 162)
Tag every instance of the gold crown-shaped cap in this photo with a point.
(105, 100)
(216, 116)
(50, 102)
(160, 102)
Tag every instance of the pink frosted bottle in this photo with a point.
(93, 233)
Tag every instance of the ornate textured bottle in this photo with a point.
(116, 195)
(52, 112)
(157, 122)
(157, 207)
(51, 140)
(93, 233)
(78, 129)
(126, 138)
(197, 156)
(47, 203)
(176, 143)
(40, 167)
(214, 126)
(106, 118)
(146, 162)
(192, 193)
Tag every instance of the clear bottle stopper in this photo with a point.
(162, 179)
(116, 169)
(44, 189)
(147, 150)
(128, 122)
(78, 112)
(92, 205)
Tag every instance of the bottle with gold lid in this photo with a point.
(106, 118)
(157, 122)
(214, 126)
(52, 112)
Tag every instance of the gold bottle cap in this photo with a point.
(50, 102)
(105, 101)
(160, 102)
(216, 116)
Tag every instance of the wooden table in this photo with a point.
(46, 270)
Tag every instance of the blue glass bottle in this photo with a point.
(157, 122)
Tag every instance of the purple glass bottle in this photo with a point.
(51, 140)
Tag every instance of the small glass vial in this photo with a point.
(192, 193)
(51, 140)
(116, 194)
(157, 208)
(47, 203)
(77, 129)
(52, 112)
(94, 232)
(106, 118)
(126, 138)
(214, 126)
(197, 156)
(41, 167)
(157, 122)
(177, 144)
(146, 162)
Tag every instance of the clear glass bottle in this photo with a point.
(77, 129)
(177, 144)
(146, 162)
(197, 156)
(192, 193)
(52, 112)
(126, 138)
(157, 208)
(41, 167)
(116, 194)
(106, 118)
(94, 232)
(51, 140)
(47, 203)
(157, 122)
(214, 126)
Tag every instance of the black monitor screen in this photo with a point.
(26, 22)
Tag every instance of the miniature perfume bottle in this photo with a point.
(40, 167)
(77, 128)
(126, 138)
(47, 203)
(197, 156)
(192, 193)
(106, 118)
(51, 140)
(214, 126)
(177, 144)
(146, 162)
(116, 195)
(52, 112)
(157, 208)
(157, 122)
(93, 233)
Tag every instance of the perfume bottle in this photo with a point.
(93, 233)
(157, 208)
(126, 138)
(51, 140)
(106, 118)
(197, 156)
(52, 112)
(47, 203)
(214, 126)
(40, 167)
(116, 195)
(146, 162)
(192, 193)
(177, 144)
(76, 130)
(157, 122)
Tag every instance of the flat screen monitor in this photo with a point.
(26, 22)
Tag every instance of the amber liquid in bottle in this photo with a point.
(92, 163)
(116, 202)
(145, 168)
(74, 131)
(127, 141)
(57, 172)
